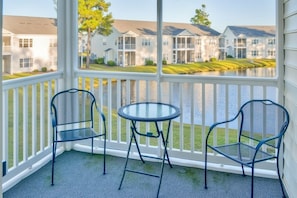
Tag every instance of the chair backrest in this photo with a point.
(72, 106)
(261, 119)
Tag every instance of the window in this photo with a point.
(146, 42)
(198, 41)
(26, 62)
(240, 42)
(212, 42)
(255, 41)
(255, 53)
(53, 43)
(165, 42)
(25, 43)
(271, 41)
(271, 52)
(165, 57)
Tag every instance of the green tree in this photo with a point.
(93, 18)
(201, 17)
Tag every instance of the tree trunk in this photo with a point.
(88, 49)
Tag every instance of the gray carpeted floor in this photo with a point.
(80, 175)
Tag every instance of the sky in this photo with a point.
(222, 13)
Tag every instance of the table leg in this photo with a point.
(134, 130)
(127, 158)
(164, 141)
(133, 137)
(165, 154)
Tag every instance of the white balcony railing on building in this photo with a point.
(7, 49)
(127, 46)
(202, 100)
(184, 46)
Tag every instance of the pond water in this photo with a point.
(197, 94)
(251, 72)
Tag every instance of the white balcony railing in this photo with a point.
(27, 132)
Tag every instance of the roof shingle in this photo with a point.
(29, 25)
(173, 29)
(253, 31)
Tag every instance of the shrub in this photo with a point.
(44, 69)
(212, 59)
(164, 62)
(100, 61)
(229, 56)
(149, 62)
(111, 63)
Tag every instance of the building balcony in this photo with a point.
(27, 131)
(6, 50)
(184, 46)
(127, 47)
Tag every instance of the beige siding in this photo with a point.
(290, 65)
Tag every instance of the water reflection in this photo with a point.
(251, 72)
(219, 100)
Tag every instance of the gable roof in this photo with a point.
(253, 31)
(29, 25)
(173, 29)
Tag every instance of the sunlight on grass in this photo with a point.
(190, 68)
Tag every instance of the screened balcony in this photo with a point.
(27, 132)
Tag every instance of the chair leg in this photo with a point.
(53, 160)
(252, 185)
(242, 168)
(104, 154)
(279, 178)
(205, 168)
(92, 145)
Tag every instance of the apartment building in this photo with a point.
(29, 43)
(250, 42)
(135, 42)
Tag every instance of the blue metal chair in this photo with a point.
(261, 125)
(73, 118)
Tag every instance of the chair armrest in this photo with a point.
(54, 121)
(101, 113)
(260, 144)
(219, 123)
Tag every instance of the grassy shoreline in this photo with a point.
(190, 68)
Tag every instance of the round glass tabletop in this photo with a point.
(149, 111)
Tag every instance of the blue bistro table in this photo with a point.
(148, 112)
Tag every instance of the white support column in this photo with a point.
(68, 62)
(280, 71)
(159, 45)
(124, 51)
(68, 42)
